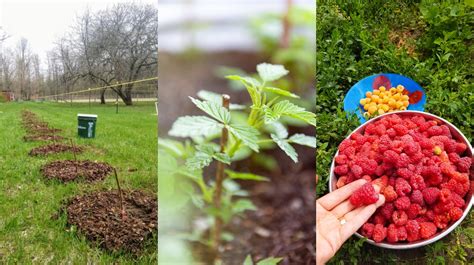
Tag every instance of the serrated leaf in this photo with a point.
(248, 260)
(191, 126)
(246, 80)
(252, 85)
(281, 92)
(224, 158)
(217, 98)
(247, 134)
(279, 129)
(289, 109)
(199, 160)
(302, 139)
(213, 109)
(270, 261)
(271, 72)
(285, 146)
(244, 176)
(242, 205)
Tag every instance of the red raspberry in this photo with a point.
(416, 157)
(460, 177)
(341, 159)
(411, 148)
(435, 130)
(364, 195)
(450, 146)
(454, 157)
(341, 182)
(417, 182)
(367, 178)
(379, 171)
(392, 233)
(425, 126)
(380, 129)
(403, 160)
(397, 146)
(429, 215)
(357, 171)
(413, 211)
(446, 168)
(418, 120)
(367, 230)
(464, 164)
(457, 200)
(389, 194)
(455, 213)
(432, 174)
(349, 151)
(402, 187)
(441, 220)
(446, 130)
(445, 195)
(341, 170)
(460, 148)
(400, 129)
(402, 203)
(413, 230)
(442, 207)
(387, 210)
(405, 173)
(368, 165)
(417, 197)
(379, 219)
(430, 195)
(390, 157)
(380, 232)
(399, 217)
(391, 133)
(391, 180)
(427, 230)
(369, 129)
(344, 144)
(426, 143)
(402, 233)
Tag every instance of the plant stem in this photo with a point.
(219, 181)
(75, 157)
(122, 209)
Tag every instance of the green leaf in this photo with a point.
(199, 160)
(285, 146)
(271, 72)
(289, 109)
(281, 92)
(174, 147)
(248, 260)
(279, 129)
(191, 126)
(252, 86)
(217, 98)
(302, 139)
(242, 205)
(244, 176)
(248, 135)
(270, 261)
(224, 158)
(213, 109)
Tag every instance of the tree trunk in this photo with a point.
(102, 96)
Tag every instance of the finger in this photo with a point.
(334, 198)
(358, 217)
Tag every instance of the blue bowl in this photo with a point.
(357, 92)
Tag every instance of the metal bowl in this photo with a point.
(456, 133)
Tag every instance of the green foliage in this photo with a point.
(250, 129)
(267, 261)
(429, 41)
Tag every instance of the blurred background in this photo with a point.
(203, 40)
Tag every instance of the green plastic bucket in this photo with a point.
(86, 124)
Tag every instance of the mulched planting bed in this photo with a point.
(98, 217)
(43, 130)
(43, 137)
(70, 170)
(54, 149)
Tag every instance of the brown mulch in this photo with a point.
(69, 170)
(98, 217)
(43, 130)
(43, 137)
(54, 149)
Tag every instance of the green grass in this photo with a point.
(28, 234)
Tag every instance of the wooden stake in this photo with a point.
(219, 181)
(122, 209)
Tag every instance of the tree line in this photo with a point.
(115, 45)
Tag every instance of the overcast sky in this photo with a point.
(42, 22)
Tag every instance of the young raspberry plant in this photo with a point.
(263, 126)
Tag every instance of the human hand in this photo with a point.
(337, 219)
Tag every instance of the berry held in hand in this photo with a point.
(364, 195)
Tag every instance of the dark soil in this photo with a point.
(98, 217)
(54, 149)
(43, 137)
(69, 170)
(43, 130)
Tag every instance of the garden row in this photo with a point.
(114, 220)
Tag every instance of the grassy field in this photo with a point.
(28, 234)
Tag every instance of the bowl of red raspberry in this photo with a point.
(423, 166)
